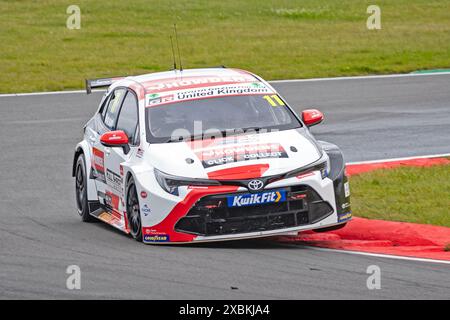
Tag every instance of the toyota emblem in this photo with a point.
(255, 185)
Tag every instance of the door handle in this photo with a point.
(107, 151)
(92, 138)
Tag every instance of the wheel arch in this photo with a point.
(128, 176)
(126, 182)
(84, 149)
(79, 150)
(340, 181)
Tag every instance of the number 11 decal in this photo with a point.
(274, 100)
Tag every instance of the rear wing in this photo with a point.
(100, 83)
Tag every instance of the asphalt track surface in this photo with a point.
(41, 233)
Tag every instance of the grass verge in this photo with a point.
(277, 39)
(408, 194)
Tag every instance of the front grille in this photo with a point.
(211, 215)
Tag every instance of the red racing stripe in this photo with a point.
(167, 225)
(243, 172)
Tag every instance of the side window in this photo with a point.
(104, 107)
(128, 118)
(113, 107)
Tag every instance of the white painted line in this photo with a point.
(401, 159)
(381, 76)
(401, 75)
(379, 255)
(44, 93)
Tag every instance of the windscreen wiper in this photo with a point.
(257, 129)
(224, 134)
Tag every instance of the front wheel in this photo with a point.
(133, 211)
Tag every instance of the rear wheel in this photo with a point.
(81, 189)
(133, 211)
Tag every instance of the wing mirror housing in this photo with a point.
(311, 117)
(116, 139)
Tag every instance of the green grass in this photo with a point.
(410, 194)
(277, 39)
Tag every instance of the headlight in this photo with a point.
(171, 183)
(322, 165)
(325, 170)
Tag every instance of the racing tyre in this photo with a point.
(81, 189)
(133, 211)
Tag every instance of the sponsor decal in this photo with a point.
(156, 238)
(143, 194)
(153, 235)
(221, 156)
(347, 189)
(164, 85)
(112, 200)
(114, 180)
(207, 92)
(150, 230)
(344, 217)
(140, 153)
(112, 219)
(106, 217)
(256, 198)
(108, 200)
(155, 99)
(145, 210)
(98, 162)
(345, 205)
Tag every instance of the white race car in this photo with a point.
(206, 155)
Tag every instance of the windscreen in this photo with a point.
(229, 115)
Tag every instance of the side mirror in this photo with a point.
(311, 117)
(115, 139)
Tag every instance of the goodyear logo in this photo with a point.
(156, 238)
(256, 198)
(344, 217)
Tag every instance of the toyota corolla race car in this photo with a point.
(206, 155)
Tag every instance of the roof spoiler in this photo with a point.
(100, 83)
